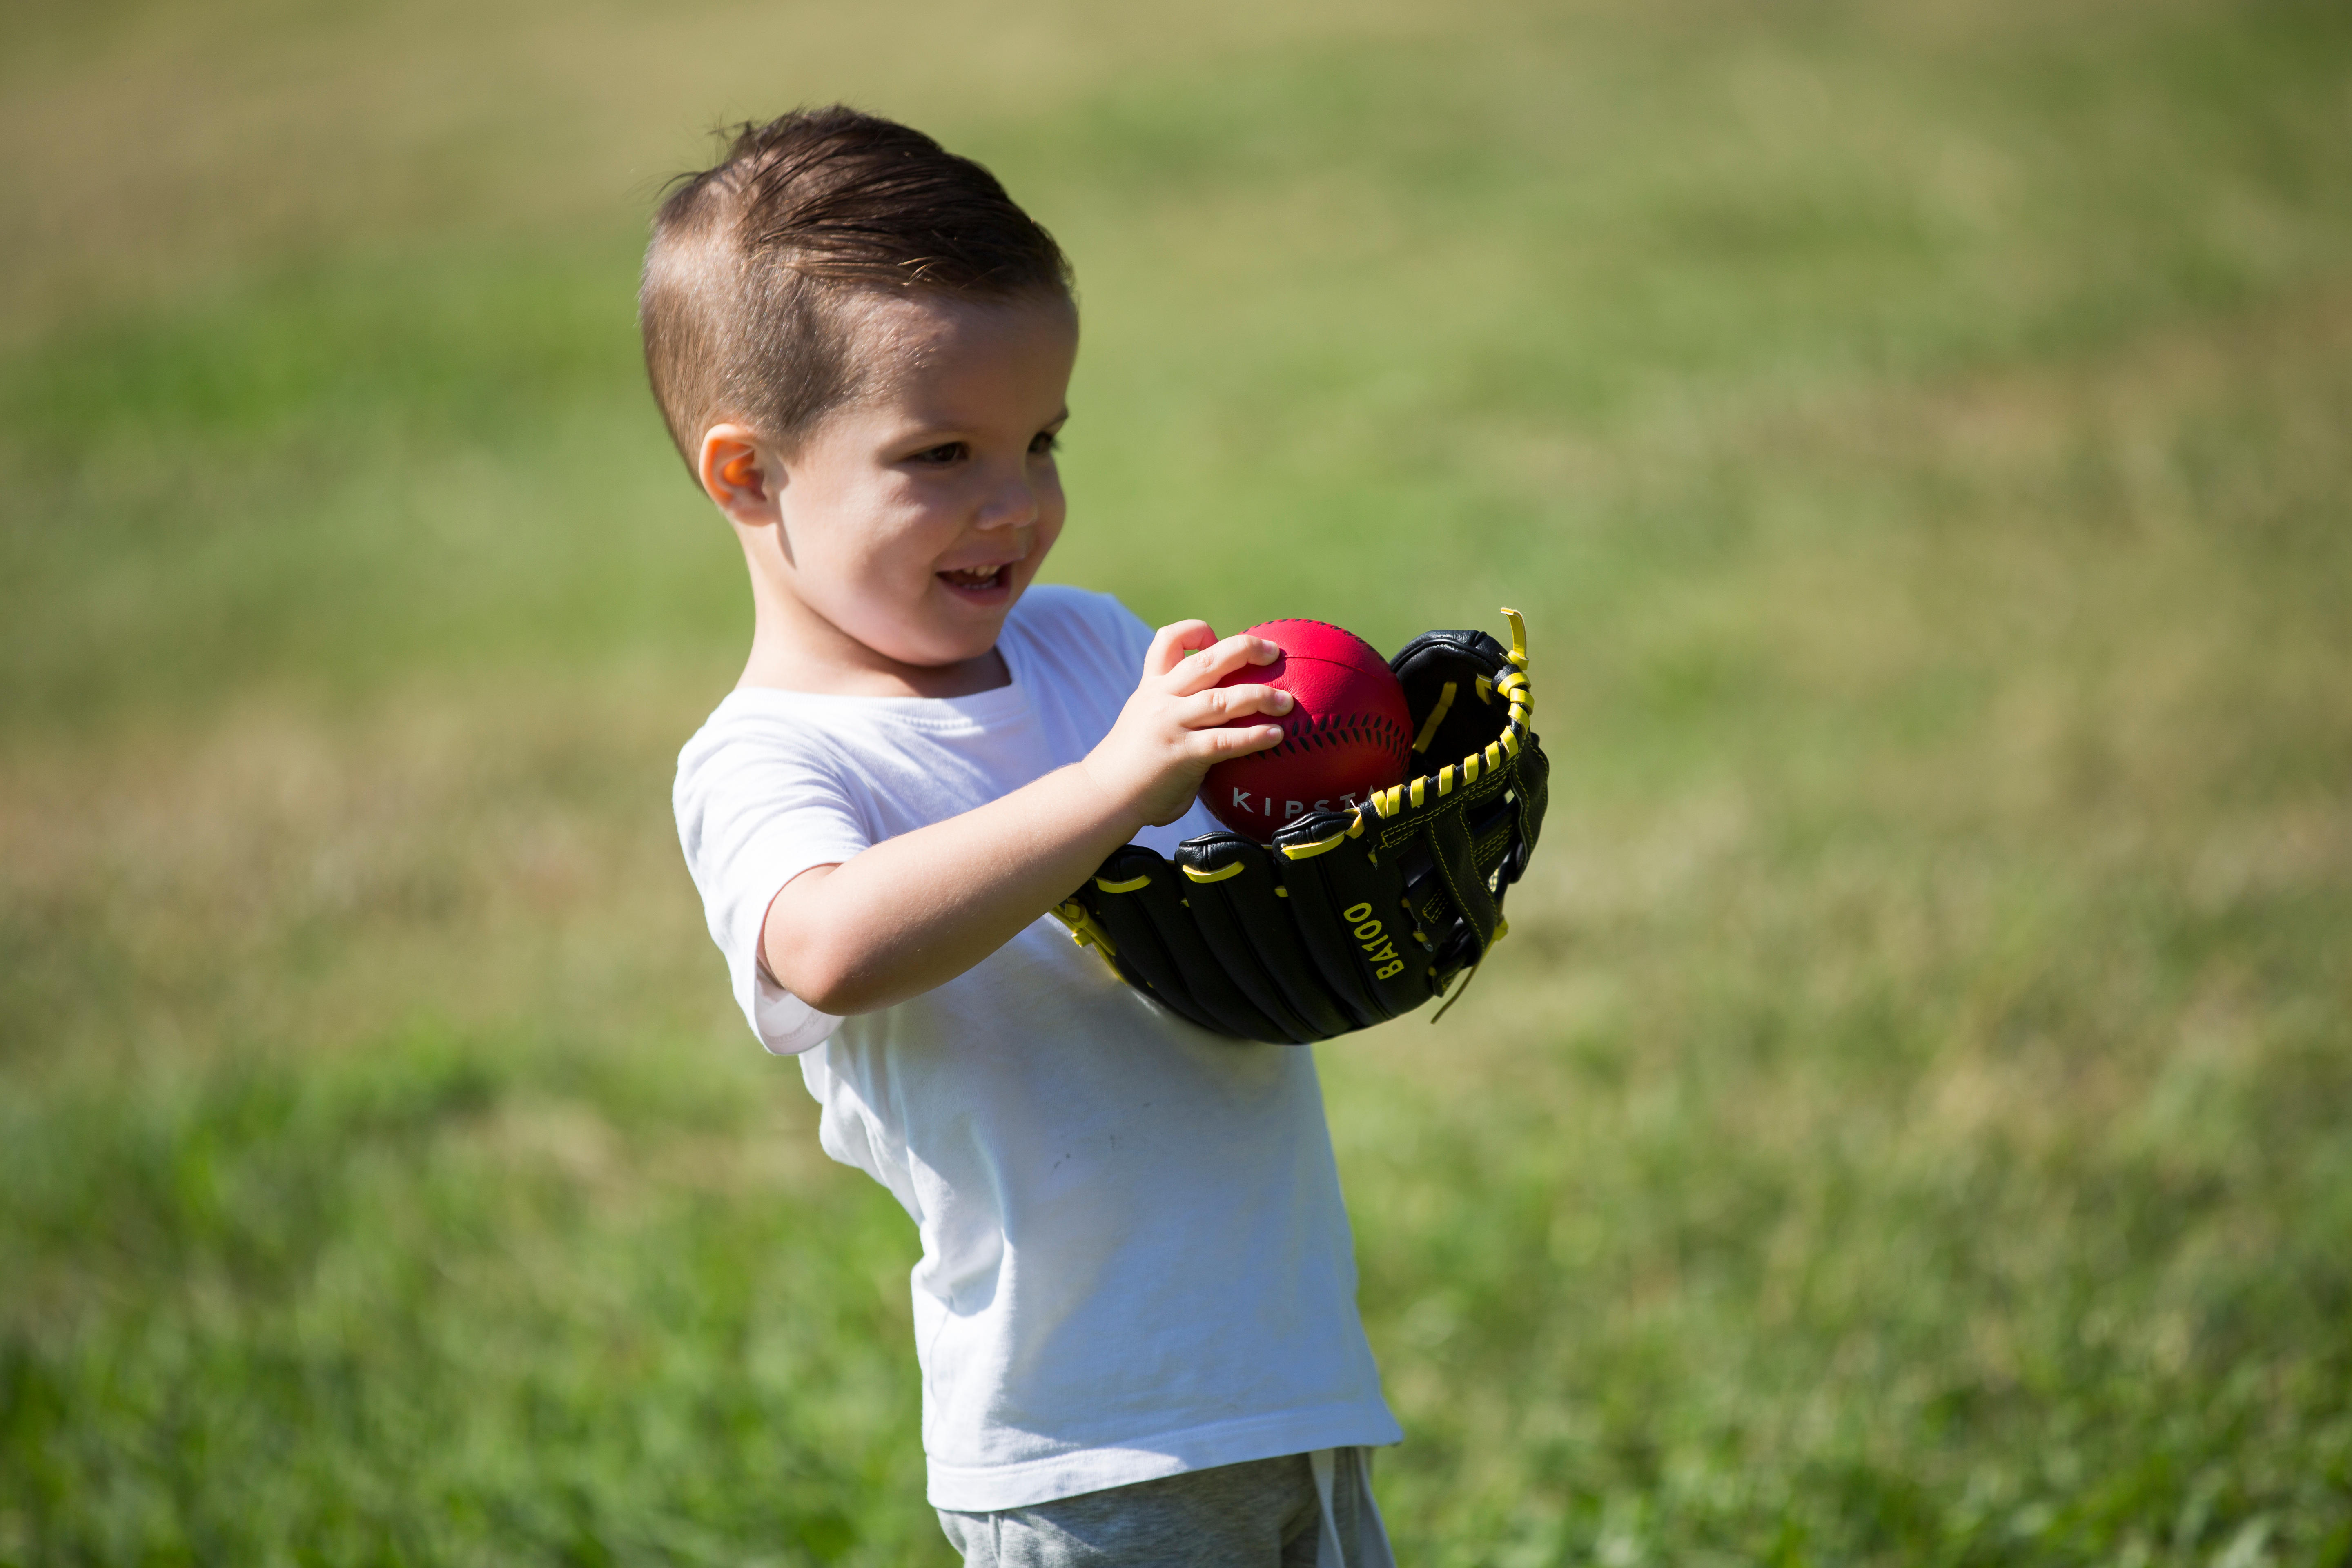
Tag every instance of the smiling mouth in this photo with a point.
(978, 579)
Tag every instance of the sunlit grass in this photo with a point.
(1905, 1124)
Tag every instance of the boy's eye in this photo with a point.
(947, 452)
(1046, 441)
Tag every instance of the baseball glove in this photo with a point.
(1350, 917)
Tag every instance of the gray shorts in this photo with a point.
(1301, 1511)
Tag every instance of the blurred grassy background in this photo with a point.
(1909, 1122)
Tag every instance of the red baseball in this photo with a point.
(1348, 733)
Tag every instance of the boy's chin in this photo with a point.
(971, 634)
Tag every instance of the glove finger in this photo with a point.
(1144, 911)
(1449, 685)
(1244, 918)
(1116, 897)
(1348, 905)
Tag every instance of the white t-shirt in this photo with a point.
(1136, 1261)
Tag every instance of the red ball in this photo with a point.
(1348, 735)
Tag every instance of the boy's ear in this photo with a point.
(740, 477)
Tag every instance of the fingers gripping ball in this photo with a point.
(1350, 732)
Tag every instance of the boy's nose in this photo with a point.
(1013, 504)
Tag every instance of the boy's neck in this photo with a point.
(794, 650)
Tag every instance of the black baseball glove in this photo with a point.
(1350, 917)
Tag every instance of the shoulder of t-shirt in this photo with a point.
(757, 729)
(1081, 629)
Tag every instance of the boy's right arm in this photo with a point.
(915, 912)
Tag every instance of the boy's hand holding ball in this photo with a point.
(1197, 726)
(1195, 707)
(1349, 734)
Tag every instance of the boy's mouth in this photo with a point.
(981, 583)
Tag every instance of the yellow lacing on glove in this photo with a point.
(1416, 792)
(1086, 932)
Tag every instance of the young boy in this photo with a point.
(1135, 1310)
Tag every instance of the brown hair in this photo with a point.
(752, 260)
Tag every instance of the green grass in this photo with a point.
(1907, 1123)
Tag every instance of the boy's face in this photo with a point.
(912, 518)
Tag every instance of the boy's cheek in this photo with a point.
(1052, 514)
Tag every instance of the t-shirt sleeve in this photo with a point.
(754, 811)
(1087, 642)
